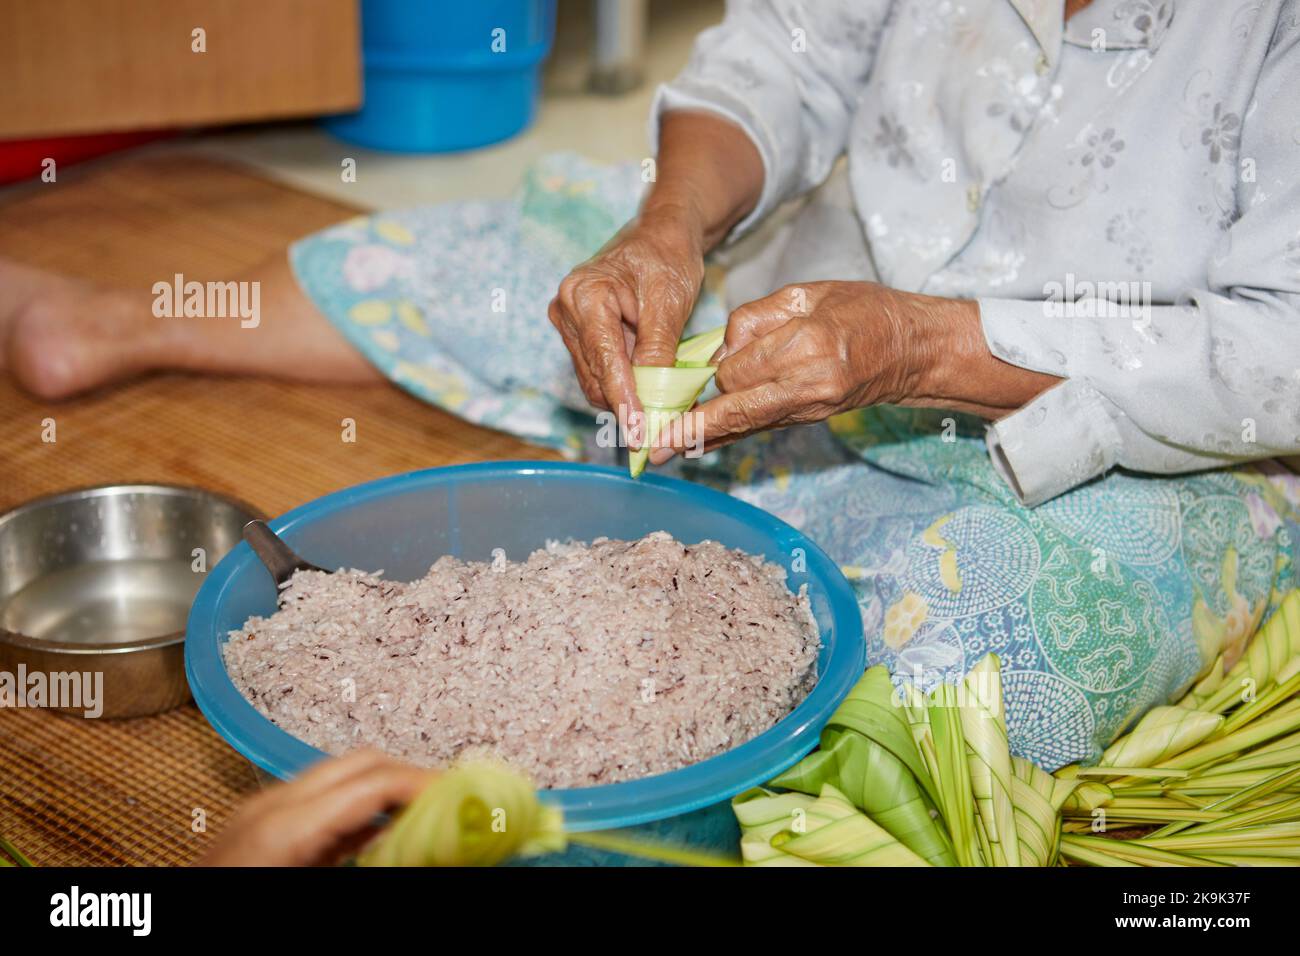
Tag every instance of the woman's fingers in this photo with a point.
(656, 344)
(800, 355)
(733, 415)
(752, 321)
(754, 382)
(604, 347)
(759, 360)
(569, 333)
(593, 310)
(327, 773)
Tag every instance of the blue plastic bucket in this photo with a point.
(404, 523)
(445, 76)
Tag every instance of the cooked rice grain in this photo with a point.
(582, 665)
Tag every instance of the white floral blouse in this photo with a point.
(1121, 193)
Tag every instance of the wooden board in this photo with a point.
(77, 66)
(99, 792)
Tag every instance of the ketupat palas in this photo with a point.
(481, 813)
(668, 392)
(476, 814)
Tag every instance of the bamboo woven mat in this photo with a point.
(76, 792)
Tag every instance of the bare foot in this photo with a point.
(63, 336)
(74, 337)
(19, 286)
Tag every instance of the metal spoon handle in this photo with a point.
(280, 559)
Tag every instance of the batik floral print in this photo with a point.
(1100, 603)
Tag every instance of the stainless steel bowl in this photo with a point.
(99, 582)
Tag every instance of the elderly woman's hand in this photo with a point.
(628, 304)
(807, 352)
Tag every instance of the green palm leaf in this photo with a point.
(474, 814)
(1277, 695)
(1037, 797)
(950, 769)
(879, 784)
(1163, 732)
(1099, 851)
(10, 855)
(838, 834)
(763, 814)
(867, 753)
(1279, 839)
(876, 711)
(984, 727)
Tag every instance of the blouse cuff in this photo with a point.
(1066, 435)
(681, 95)
(1058, 441)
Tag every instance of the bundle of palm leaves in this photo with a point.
(905, 778)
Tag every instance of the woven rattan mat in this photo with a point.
(125, 792)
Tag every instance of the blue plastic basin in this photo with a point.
(403, 524)
(440, 77)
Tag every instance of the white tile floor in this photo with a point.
(603, 128)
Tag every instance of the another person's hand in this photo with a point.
(628, 305)
(319, 818)
(807, 352)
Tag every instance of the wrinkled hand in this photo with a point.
(809, 351)
(319, 818)
(628, 305)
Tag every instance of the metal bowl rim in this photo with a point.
(98, 491)
(28, 643)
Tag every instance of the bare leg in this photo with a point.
(59, 337)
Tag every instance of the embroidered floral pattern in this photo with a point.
(1102, 148)
(891, 139)
(1214, 131)
(1223, 134)
(1127, 231)
(1146, 20)
(1096, 153)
